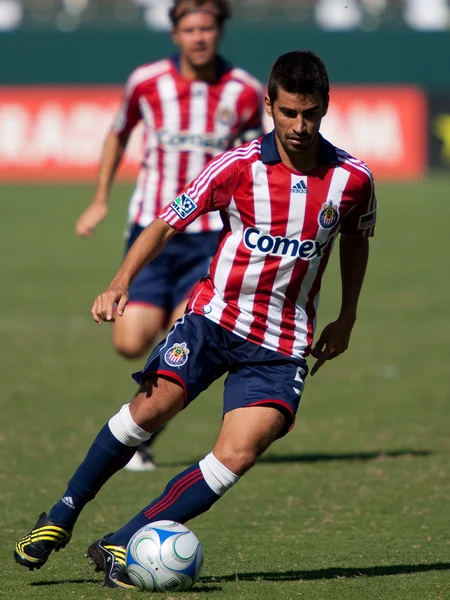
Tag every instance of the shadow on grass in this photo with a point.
(334, 573)
(322, 457)
(346, 456)
(198, 588)
(63, 582)
(209, 584)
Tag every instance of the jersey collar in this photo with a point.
(223, 67)
(269, 150)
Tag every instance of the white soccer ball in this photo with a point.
(164, 556)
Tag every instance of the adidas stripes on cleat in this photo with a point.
(111, 560)
(33, 549)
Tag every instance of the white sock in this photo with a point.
(217, 476)
(126, 430)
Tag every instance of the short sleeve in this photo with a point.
(129, 113)
(211, 190)
(361, 219)
(251, 108)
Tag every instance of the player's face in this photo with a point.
(297, 119)
(197, 35)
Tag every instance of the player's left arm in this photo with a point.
(354, 256)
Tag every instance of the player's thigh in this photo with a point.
(191, 354)
(246, 433)
(138, 328)
(266, 378)
(157, 401)
(261, 398)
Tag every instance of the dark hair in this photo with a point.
(220, 8)
(299, 72)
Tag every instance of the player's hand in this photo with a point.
(334, 340)
(104, 305)
(90, 218)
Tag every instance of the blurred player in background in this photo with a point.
(193, 107)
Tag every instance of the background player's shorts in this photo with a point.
(197, 351)
(170, 278)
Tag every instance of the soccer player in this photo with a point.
(193, 107)
(284, 199)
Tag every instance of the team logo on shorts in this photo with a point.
(329, 215)
(177, 355)
(183, 206)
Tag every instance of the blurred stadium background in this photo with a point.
(56, 132)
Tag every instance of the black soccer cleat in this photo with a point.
(33, 550)
(111, 560)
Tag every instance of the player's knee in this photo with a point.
(129, 348)
(157, 401)
(125, 429)
(237, 460)
(219, 478)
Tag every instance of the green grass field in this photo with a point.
(354, 504)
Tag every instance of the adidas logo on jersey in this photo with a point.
(68, 501)
(299, 188)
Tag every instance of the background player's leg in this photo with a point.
(179, 310)
(145, 317)
(137, 331)
(158, 400)
(245, 434)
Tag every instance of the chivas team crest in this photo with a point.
(226, 116)
(329, 215)
(177, 355)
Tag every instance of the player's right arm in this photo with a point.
(113, 150)
(147, 246)
(210, 190)
(112, 154)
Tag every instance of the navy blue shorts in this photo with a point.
(171, 277)
(197, 351)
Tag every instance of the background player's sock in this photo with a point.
(112, 449)
(186, 496)
(143, 460)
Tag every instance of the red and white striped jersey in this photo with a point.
(186, 124)
(279, 230)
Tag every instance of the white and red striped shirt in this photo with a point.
(186, 124)
(279, 230)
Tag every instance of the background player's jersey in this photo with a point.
(186, 124)
(279, 231)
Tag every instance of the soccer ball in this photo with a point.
(164, 556)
